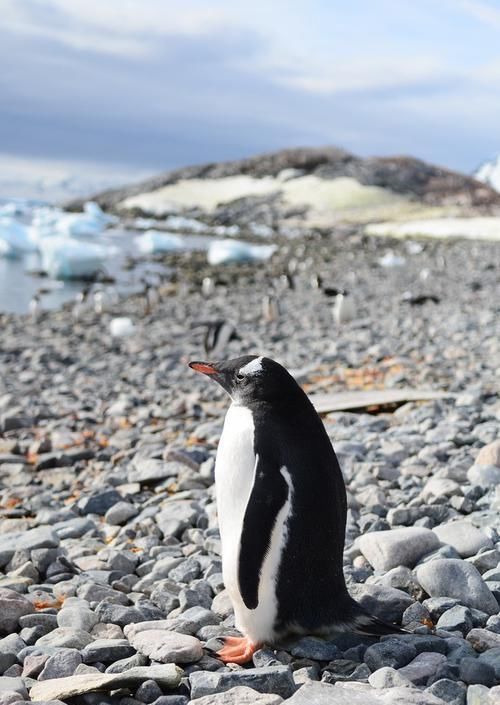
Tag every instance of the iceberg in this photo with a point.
(67, 258)
(94, 210)
(15, 240)
(154, 241)
(489, 173)
(231, 251)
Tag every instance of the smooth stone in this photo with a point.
(474, 671)
(99, 502)
(325, 694)
(465, 538)
(391, 652)
(270, 679)
(385, 603)
(40, 537)
(13, 685)
(12, 607)
(314, 648)
(489, 454)
(482, 639)
(456, 578)
(484, 475)
(107, 650)
(457, 618)
(120, 513)
(77, 616)
(387, 677)
(166, 675)
(240, 695)
(449, 691)
(65, 637)
(389, 549)
(492, 656)
(148, 692)
(167, 647)
(61, 664)
(478, 695)
(422, 667)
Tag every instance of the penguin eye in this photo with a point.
(240, 377)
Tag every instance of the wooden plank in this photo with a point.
(356, 400)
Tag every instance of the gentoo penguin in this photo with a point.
(281, 504)
(35, 307)
(344, 309)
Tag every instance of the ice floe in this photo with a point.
(68, 258)
(155, 241)
(232, 251)
(121, 327)
(15, 240)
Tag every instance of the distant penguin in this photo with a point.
(217, 336)
(151, 296)
(344, 309)
(282, 507)
(207, 287)
(81, 302)
(270, 308)
(35, 307)
(99, 298)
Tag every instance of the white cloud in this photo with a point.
(482, 11)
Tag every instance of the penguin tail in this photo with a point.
(360, 622)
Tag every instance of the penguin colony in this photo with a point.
(281, 503)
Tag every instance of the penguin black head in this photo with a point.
(250, 379)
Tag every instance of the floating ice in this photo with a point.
(121, 327)
(67, 258)
(179, 222)
(154, 241)
(228, 251)
(391, 260)
(95, 211)
(15, 238)
(50, 222)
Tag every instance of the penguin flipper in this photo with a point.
(269, 494)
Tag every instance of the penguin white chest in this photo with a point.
(235, 470)
(234, 477)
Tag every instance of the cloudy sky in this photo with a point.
(150, 84)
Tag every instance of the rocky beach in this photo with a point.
(111, 588)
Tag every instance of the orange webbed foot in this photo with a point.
(237, 650)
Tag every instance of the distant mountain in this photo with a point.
(489, 173)
(328, 180)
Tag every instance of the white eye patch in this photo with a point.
(252, 368)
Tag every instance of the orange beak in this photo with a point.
(206, 368)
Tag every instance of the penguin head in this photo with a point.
(250, 379)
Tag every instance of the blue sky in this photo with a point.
(152, 84)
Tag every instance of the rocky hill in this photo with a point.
(410, 179)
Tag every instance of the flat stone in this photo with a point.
(484, 475)
(383, 602)
(456, 578)
(99, 502)
(13, 685)
(474, 671)
(12, 607)
(107, 650)
(269, 679)
(167, 647)
(41, 537)
(389, 549)
(120, 513)
(77, 615)
(326, 694)
(449, 691)
(61, 664)
(482, 639)
(465, 538)
(151, 470)
(409, 696)
(65, 637)
(457, 618)
(394, 653)
(241, 695)
(166, 675)
(489, 454)
(314, 648)
(387, 677)
(422, 667)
